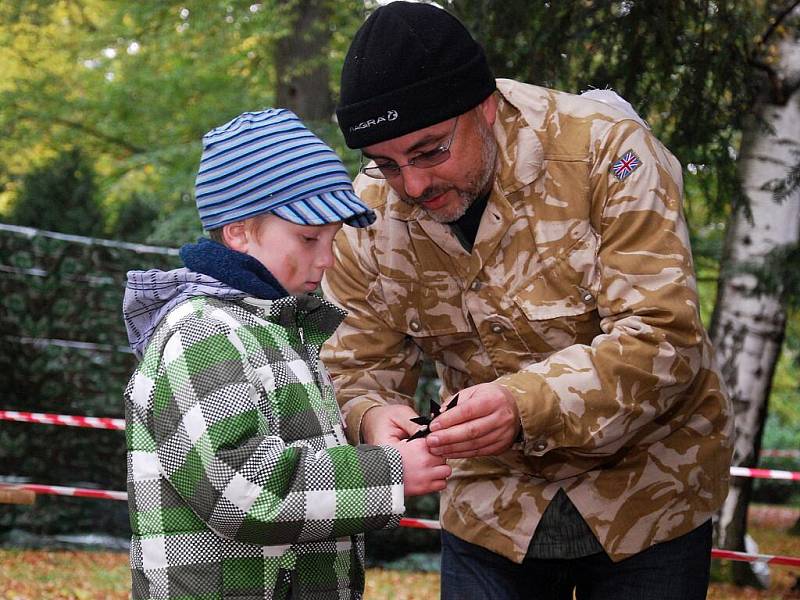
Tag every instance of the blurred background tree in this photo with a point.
(60, 196)
(136, 85)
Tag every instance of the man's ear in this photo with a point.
(489, 108)
(235, 236)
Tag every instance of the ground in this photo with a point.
(70, 575)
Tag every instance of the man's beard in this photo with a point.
(478, 184)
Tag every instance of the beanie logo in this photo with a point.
(391, 115)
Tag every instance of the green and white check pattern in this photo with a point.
(240, 481)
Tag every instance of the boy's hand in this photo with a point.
(423, 472)
(388, 424)
(485, 423)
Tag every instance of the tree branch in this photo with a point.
(779, 18)
(133, 149)
(100, 135)
(781, 89)
(777, 85)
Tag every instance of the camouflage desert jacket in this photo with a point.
(579, 296)
(240, 481)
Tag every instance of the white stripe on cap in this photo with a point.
(268, 161)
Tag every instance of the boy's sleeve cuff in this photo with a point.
(353, 413)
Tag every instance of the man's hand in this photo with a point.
(484, 423)
(388, 424)
(423, 472)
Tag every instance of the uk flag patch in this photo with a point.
(626, 165)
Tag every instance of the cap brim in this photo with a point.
(340, 206)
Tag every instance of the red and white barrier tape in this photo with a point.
(74, 421)
(764, 473)
(109, 423)
(405, 522)
(756, 558)
(419, 523)
(60, 490)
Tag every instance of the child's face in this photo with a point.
(297, 255)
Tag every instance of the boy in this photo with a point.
(240, 481)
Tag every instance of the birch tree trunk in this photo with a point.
(748, 329)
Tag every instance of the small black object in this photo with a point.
(426, 421)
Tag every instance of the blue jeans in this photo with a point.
(673, 570)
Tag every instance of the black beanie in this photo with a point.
(410, 66)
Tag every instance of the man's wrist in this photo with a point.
(361, 430)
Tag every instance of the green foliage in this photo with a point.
(60, 196)
(136, 85)
(784, 407)
(778, 274)
(134, 218)
(687, 66)
(177, 227)
(782, 434)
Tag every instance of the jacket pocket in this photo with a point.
(567, 287)
(419, 309)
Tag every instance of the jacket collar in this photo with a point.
(521, 152)
(317, 317)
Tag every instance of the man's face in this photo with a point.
(447, 190)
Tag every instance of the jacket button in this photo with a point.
(475, 285)
(496, 328)
(540, 446)
(587, 297)
(415, 325)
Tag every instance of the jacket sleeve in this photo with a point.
(372, 363)
(586, 403)
(211, 426)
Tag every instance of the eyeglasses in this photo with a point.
(426, 160)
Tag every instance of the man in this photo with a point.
(531, 243)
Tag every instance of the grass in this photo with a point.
(63, 575)
(78, 575)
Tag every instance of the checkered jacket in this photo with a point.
(240, 481)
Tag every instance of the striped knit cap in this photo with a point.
(268, 161)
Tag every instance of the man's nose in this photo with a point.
(415, 180)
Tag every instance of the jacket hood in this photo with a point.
(150, 295)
